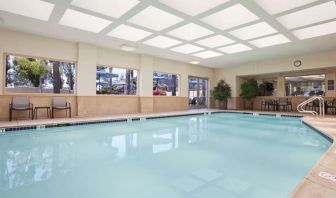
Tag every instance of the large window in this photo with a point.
(305, 85)
(267, 87)
(116, 81)
(165, 84)
(36, 75)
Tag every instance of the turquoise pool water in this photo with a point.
(221, 155)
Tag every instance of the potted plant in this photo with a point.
(249, 90)
(221, 93)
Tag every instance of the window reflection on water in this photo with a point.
(37, 161)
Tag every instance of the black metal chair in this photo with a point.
(331, 105)
(264, 104)
(21, 103)
(282, 102)
(60, 103)
(289, 104)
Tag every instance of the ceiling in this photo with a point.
(218, 33)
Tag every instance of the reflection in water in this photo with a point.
(24, 165)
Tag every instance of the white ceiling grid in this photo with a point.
(215, 32)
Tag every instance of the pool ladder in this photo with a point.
(319, 114)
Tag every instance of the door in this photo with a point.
(198, 92)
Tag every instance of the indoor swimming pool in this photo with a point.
(199, 156)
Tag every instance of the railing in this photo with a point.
(319, 114)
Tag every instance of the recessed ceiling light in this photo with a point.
(309, 16)
(276, 6)
(190, 32)
(232, 49)
(155, 19)
(115, 8)
(195, 62)
(162, 42)
(127, 48)
(215, 41)
(193, 7)
(207, 54)
(230, 17)
(187, 49)
(270, 41)
(315, 31)
(79, 20)
(129, 33)
(253, 31)
(29, 8)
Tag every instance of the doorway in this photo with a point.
(198, 92)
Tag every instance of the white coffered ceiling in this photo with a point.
(217, 33)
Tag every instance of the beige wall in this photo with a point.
(87, 57)
(309, 62)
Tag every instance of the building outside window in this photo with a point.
(165, 84)
(116, 81)
(37, 75)
(311, 85)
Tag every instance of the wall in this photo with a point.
(311, 64)
(85, 102)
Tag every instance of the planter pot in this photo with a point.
(220, 104)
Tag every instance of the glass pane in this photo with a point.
(165, 84)
(34, 75)
(116, 81)
(305, 85)
(203, 92)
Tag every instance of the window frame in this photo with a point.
(305, 74)
(179, 82)
(4, 76)
(121, 95)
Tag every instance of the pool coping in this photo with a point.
(312, 185)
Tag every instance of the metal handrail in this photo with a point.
(321, 106)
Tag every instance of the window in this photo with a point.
(267, 87)
(37, 75)
(165, 84)
(116, 81)
(305, 85)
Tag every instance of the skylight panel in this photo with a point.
(190, 32)
(253, 31)
(309, 16)
(207, 54)
(114, 8)
(234, 16)
(79, 20)
(155, 19)
(236, 48)
(162, 42)
(193, 7)
(270, 41)
(316, 31)
(278, 6)
(129, 33)
(29, 8)
(215, 41)
(187, 49)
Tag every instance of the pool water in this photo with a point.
(219, 155)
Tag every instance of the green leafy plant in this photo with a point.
(266, 88)
(222, 91)
(32, 70)
(249, 89)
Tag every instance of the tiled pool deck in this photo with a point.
(319, 182)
